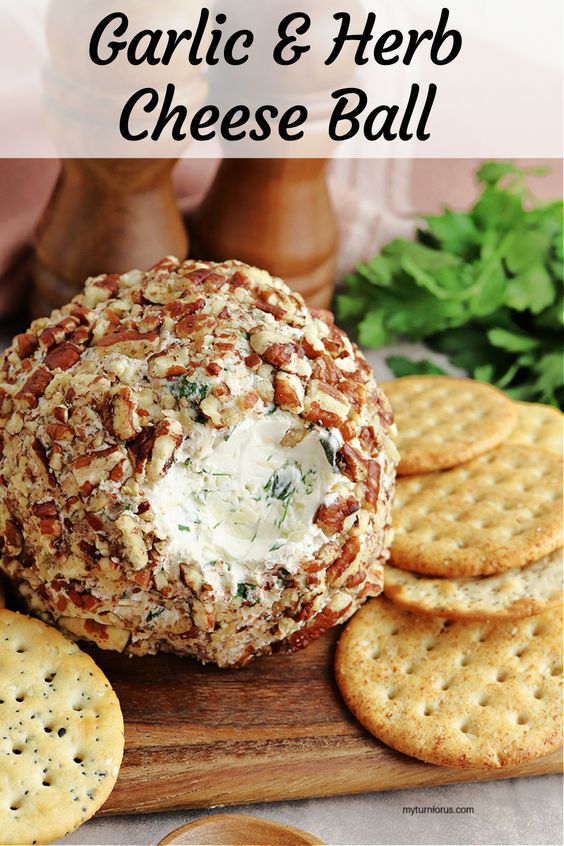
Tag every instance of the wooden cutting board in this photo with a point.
(199, 736)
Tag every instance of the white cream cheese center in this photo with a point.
(237, 502)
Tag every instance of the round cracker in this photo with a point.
(516, 593)
(540, 426)
(443, 421)
(61, 742)
(457, 694)
(499, 511)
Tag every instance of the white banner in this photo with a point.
(251, 78)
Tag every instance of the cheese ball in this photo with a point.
(193, 462)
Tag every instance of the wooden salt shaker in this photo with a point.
(275, 214)
(105, 215)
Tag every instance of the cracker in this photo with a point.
(458, 694)
(501, 510)
(539, 425)
(516, 593)
(443, 421)
(61, 742)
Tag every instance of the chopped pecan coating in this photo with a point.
(103, 403)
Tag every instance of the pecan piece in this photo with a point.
(154, 448)
(343, 562)
(168, 437)
(355, 579)
(44, 509)
(53, 335)
(133, 541)
(270, 308)
(42, 462)
(82, 600)
(34, 386)
(192, 323)
(25, 344)
(253, 360)
(325, 404)
(109, 284)
(277, 350)
(95, 467)
(178, 309)
(323, 621)
(351, 463)
(289, 392)
(60, 432)
(50, 527)
(126, 335)
(13, 541)
(6, 403)
(123, 418)
(331, 517)
(324, 315)
(373, 483)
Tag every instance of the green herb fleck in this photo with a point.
(330, 446)
(190, 390)
(248, 592)
(152, 614)
(230, 432)
(184, 528)
(281, 484)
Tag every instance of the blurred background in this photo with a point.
(373, 201)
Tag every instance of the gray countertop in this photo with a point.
(512, 811)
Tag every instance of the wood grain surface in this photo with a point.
(199, 736)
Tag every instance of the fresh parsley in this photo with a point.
(401, 366)
(484, 287)
(182, 528)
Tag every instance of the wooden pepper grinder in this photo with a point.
(276, 214)
(105, 215)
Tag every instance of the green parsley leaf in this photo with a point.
(401, 366)
(485, 287)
